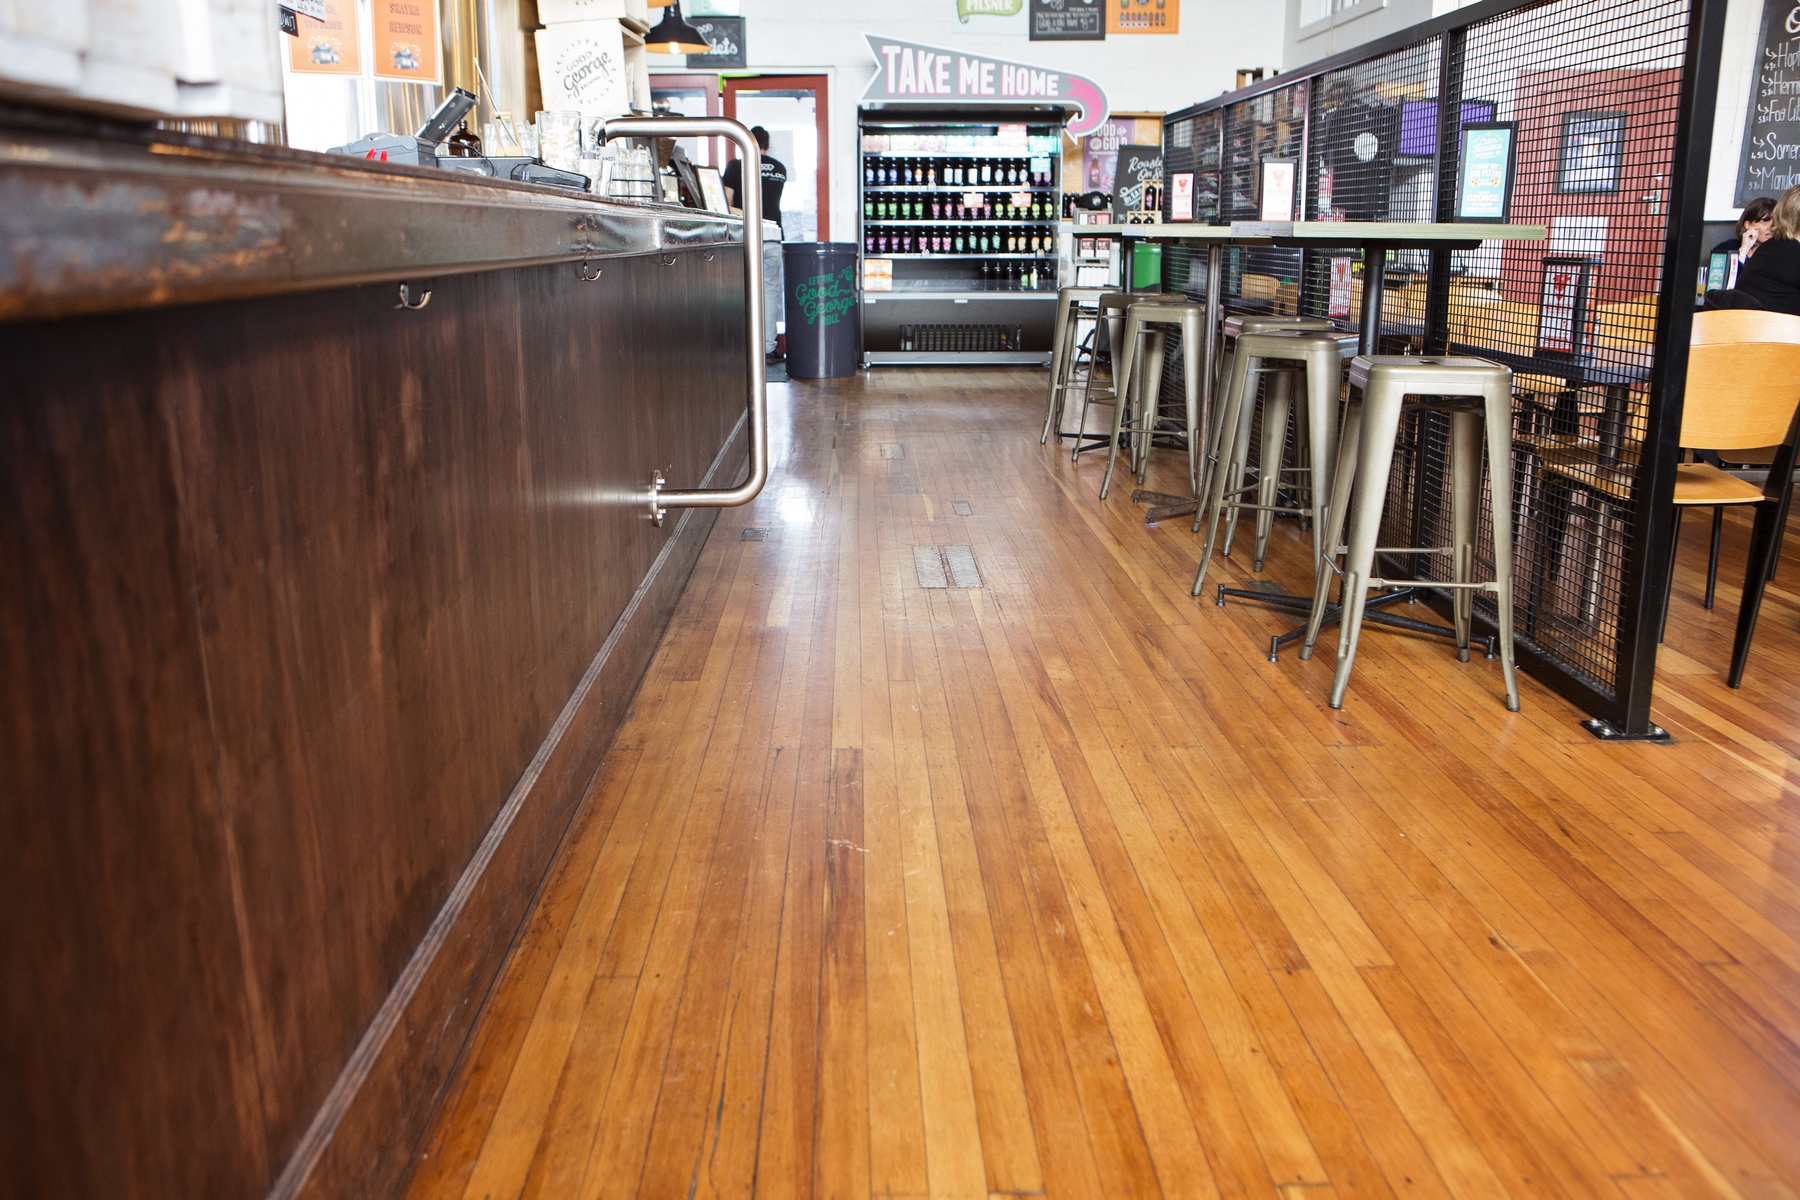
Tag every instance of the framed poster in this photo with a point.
(1563, 316)
(1275, 190)
(712, 190)
(1485, 179)
(1591, 156)
(328, 45)
(1143, 16)
(1068, 20)
(1337, 303)
(405, 39)
(1181, 196)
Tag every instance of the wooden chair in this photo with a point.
(1743, 392)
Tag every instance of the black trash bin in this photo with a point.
(823, 316)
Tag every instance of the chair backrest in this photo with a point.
(1743, 381)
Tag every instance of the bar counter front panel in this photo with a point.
(319, 615)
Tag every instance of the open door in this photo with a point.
(793, 109)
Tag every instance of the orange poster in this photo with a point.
(329, 47)
(404, 40)
(1143, 16)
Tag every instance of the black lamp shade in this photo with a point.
(673, 35)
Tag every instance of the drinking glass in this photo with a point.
(559, 139)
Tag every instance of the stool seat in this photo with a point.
(1478, 395)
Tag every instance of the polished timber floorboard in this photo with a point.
(1056, 886)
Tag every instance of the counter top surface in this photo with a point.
(131, 218)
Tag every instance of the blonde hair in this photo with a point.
(1784, 222)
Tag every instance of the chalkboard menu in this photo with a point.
(1068, 20)
(1137, 183)
(1771, 163)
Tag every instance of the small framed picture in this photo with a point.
(1592, 153)
(1485, 179)
(1563, 316)
(1275, 195)
(713, 189)
(1181, 196)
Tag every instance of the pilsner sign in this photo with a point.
(911, 73)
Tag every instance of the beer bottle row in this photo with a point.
(953, 208)
(953, 172)
(1011, 240)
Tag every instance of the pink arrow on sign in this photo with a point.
(914, 73)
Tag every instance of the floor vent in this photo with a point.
(892, 450)
(907, 485)
(753, 534)
(962, 508)
(946, 566)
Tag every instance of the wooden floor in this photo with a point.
(1056, 886)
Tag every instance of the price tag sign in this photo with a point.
(973, 200)
(1021, 199)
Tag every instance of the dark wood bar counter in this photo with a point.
(318, 613)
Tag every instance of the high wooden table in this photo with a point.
(1374, 239)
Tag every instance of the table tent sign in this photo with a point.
(914, 73)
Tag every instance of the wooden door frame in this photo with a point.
(709, 84)
(820, 86)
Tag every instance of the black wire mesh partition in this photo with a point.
(1611, 103)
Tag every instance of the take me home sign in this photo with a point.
(911, 73)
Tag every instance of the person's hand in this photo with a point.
(1747, 247)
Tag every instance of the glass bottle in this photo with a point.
(869, 171)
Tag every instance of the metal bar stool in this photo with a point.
(1111, 308)
(1140, 371)
(1322, 355)
(1234, 327)
(1073, 305)
(1475, 392)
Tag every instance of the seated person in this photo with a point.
(1752, 231)
(1772, 275)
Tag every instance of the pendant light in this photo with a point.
(673, 35)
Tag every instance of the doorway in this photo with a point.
(793, 109)
(692, 96)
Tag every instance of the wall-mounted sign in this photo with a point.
(327, 45)
(988, 8)
(1144, 16)
(912, 73)
(1484, 186)
(1771, 160)
(1068, 20)
(726, 37)
(405, 39)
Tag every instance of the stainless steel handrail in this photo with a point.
(663, 498)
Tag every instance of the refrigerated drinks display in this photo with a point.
(957, 219)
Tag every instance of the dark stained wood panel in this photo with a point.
(302, 586)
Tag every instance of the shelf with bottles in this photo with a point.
(956, 224)
(979, 243)
(884, 172)
(1041, 254)
(958, 189)
(954, 209)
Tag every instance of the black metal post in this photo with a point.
(1648, 548)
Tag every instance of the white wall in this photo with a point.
(1138, 73)
(1318, 29)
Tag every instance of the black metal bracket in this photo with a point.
(1606, 731)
